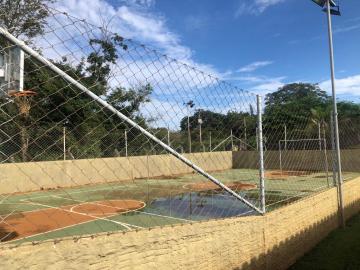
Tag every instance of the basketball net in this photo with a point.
(23, 100)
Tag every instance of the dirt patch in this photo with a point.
(107, 208)
(49, 219)
(284, 174)
(237, 186)
(163, 177)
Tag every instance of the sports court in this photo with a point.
(141, 203)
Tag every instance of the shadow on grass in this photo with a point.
(339, 251)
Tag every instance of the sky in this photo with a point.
(258, 45)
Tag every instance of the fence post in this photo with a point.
(337, 168)
(261, 155)
(334, 165)
(210, 143)
(126, 144)
(168, 137)
(64, 141)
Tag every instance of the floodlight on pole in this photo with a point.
(328, 4)
(334, 8)
(322, 3)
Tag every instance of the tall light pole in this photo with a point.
(332, 9)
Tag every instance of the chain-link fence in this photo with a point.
(100, 133)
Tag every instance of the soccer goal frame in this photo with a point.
(322, 147)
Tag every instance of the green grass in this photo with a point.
(339, 251)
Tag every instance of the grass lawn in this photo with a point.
(339, 251)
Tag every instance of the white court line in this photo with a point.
(59, 229)
(4, 198)
(99, 204)
(113, 221)
(141, 212)
(24, 212)
(74, 192)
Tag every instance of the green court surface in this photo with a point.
(168, 201)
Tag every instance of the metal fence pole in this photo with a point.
(280, 157)
(261, 156)
(126, 144)
(245, 133)
(335, 112)
(210, 142)
(64, 141)
(334, 165)
(168, 137)
(285, 135)
(326, 155)
(319, 135)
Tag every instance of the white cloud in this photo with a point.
(346, 86)
(139, 3)
(255, 7)
(269, 85)
(173, 82)
(140, 25)
(254, 66)
(259, 84)
(130, 22)
(346, 28)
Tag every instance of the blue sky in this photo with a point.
(258, 45)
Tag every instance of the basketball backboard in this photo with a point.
(12, 70)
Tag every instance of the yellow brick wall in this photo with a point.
(311, 160)
(273, 241)
(32, 176)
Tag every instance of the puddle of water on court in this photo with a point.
(199, 206)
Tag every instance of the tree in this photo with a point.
(293, 105)
(220, 125)
(95, 132)
(349, 124)
(24, 17)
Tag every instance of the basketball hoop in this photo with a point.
(23, 100)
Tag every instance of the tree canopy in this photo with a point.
(301, 107)
(24, 17)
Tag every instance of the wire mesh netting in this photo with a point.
(100, 133)
(82, 168)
